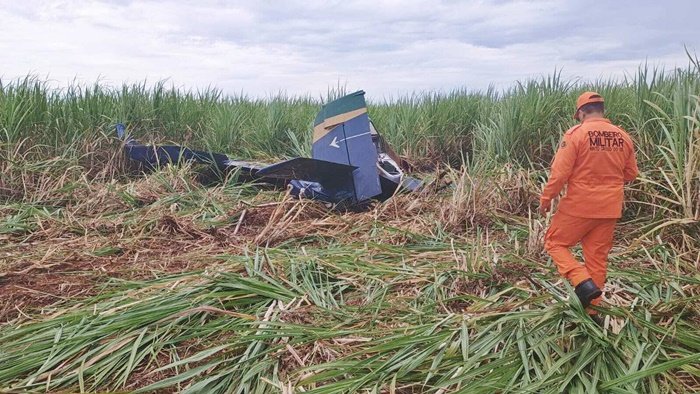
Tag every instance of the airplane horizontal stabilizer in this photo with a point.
(164, 154)
(312, 170)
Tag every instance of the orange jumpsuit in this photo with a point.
(594, 160)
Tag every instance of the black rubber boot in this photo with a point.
(586, 291)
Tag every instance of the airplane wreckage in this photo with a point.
(351, 163)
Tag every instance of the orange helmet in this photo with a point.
(587, 98)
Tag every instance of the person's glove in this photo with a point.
(545, 206)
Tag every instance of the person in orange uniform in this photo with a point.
(594, 160)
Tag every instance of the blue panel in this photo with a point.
(362, 153)
(162, 155)
(325, 148)
(351, 143)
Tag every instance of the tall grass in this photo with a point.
(519, 124)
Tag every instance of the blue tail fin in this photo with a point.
(342, 135)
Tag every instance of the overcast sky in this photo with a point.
(303, 47)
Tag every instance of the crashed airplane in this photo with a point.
(351, 163)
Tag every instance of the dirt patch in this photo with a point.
(52, 265)
(31, 292)
(71, 270)
(145, 374)
(503, 275)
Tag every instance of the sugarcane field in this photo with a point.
(265, 223)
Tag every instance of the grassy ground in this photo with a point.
(118, 281)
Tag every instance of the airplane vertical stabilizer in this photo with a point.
(342, 135)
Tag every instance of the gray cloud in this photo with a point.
(303, 47)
